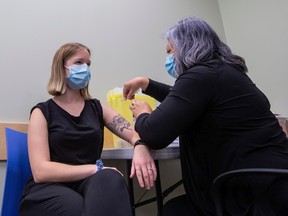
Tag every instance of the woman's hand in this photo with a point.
(143, 166)
(137, 107)
(132, 86)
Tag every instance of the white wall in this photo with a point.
(258, 31)
(126, 41)
(125, 37)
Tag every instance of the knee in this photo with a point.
(73, 205)
(108, 177)
(109, 174)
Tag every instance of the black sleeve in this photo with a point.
(43, 106)
(157, 90)
(99, 112)
(187, 100)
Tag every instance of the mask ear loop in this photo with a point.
(68, 70)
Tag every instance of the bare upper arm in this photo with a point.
(38, 146)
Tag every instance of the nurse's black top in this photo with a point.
(74, 140)
(223, 122)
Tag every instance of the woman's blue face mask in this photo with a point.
(170, 65)
(79, 76)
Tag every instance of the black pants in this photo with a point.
(104, 193)
(179, 206)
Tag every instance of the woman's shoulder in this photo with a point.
(206, 67)
(200, 71)
(97, 107)
(96, 104)
(212, 70)
(94, 101)
(42, 104)
(44, 107)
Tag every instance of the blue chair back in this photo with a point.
(17, 171)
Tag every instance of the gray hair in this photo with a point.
(196, 42)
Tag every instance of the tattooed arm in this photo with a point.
(143, 165)
(118, 125)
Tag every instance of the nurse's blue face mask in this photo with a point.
(170, 65)
(79, 76)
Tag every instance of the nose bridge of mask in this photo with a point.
(76, 68)
(170, 63)
(80, 69)
(170, 57)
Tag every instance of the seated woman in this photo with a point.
(65, 141)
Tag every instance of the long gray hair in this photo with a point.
(196, 42)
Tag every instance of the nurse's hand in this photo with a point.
(138, 107)
(143, 167)
(132, 86)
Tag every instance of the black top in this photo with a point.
(74, 140)
(223, 122)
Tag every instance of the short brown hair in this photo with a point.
(57, 84)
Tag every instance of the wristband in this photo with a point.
(138, 142)
(99, 164)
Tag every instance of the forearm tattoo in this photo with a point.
(118, 125)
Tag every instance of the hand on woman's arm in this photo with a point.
(138, 107)
(132, 86)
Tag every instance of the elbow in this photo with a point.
(156, 147)
(154, 136)
(37, 177)
(155, 143)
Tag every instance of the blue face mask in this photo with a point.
(170, 65)
(79, 76)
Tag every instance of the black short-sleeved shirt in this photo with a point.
(223, 121)
(74, 140)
